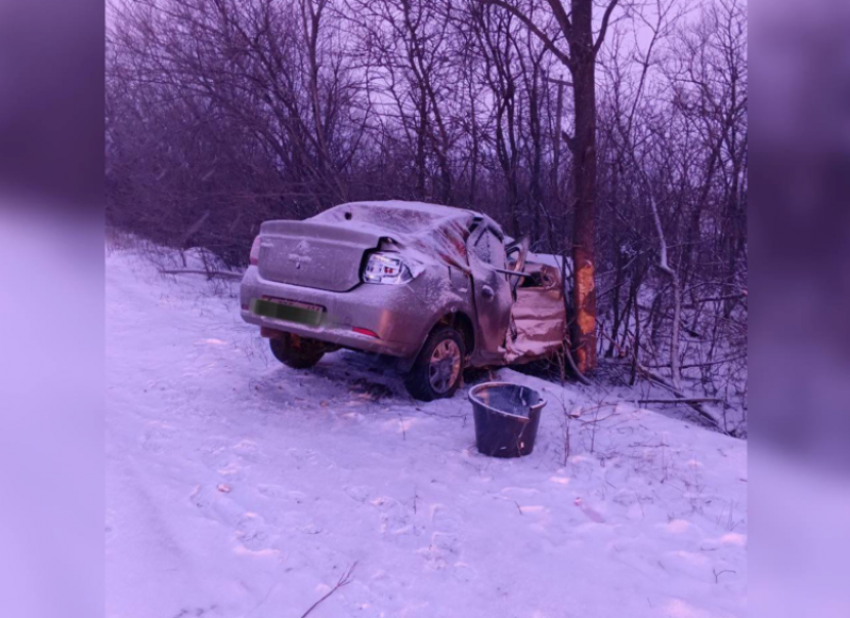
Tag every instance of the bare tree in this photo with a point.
(576, 27)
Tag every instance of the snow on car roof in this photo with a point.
(438, 210)
(432, 231)
(395, 215)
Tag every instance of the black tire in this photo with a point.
(432, 375)
(297, 352)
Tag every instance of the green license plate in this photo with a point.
(288, 313)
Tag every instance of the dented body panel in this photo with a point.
(539, 316)
(314, 255)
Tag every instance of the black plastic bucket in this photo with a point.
(506, 418)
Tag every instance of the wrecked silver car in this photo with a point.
(435, 287)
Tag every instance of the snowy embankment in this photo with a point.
(239, 487)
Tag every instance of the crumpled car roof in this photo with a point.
(432, 231)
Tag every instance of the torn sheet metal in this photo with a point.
(538, 317)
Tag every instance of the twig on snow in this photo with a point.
(401, 424)
(685, 401)
(717, 574)
(344, 580)
(681, 398)
(213, 273)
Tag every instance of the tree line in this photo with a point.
(614, 133)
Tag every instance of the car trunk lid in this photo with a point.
(314, 255)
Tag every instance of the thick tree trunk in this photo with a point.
(583, 68)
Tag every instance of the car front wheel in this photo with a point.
(438, 370)
(297, 352)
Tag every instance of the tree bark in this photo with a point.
(583, 146)
(577, 27)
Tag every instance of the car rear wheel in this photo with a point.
(438, 370)
(297, 352)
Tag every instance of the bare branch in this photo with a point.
(344, 580)
(604, 28)
(548, 42)
(209, 274)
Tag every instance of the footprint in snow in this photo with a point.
(215, 504)
(252, 532)
(463, 573)
(155, 438)
(445, 520)
(442, 552)
(247, 450)
(395, 517)
(589, 511)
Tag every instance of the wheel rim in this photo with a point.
(444, 367)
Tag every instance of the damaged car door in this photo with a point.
(491, 292)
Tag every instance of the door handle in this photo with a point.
(487, 292)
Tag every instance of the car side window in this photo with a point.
(489, 249)
(498, 256)
(481, 248)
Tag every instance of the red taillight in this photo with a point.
(254, 258)
(365, 331)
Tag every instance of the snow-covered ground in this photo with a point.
(238, 487)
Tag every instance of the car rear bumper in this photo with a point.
(389, 311)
